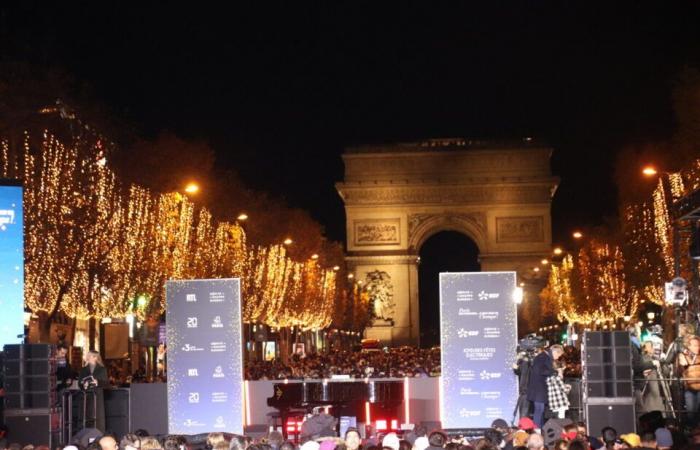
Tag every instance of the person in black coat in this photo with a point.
(64, 373)
(542, 368)
(93, 377)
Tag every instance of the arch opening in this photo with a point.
(445, 251)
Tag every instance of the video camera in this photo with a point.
(676, 292)
(531, 343)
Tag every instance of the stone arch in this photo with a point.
(396, 196)
(422, 226)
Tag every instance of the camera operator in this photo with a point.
(537, 391)
(528, 348)
(641, 367)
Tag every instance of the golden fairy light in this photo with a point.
(95, 248)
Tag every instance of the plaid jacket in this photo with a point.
(556, 393)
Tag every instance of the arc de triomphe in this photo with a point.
(397, 196)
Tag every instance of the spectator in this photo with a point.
(631, 439)
(609, 436)
(525, 423)
(108, 443)
(130, 442)
(535, 442)
(421, 443)
(391, 440)
(578, 444)
(648, 440)
(150, 443)
(664, 439)
(215, 438)
(238, 443)
(436, 440)
(286, 445)
(353, 440)
(560, 444)
(520, 438)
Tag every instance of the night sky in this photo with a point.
(280, 91)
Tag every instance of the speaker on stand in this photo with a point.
(608, 390)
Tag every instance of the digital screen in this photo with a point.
(478, 333)
(205, 356)
(11, 264)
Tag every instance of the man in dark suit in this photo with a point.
(542, 368)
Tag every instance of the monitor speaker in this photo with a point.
(552, 430)
(620, 416)
(40, 428)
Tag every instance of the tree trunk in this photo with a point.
(45, 321)
(92, 333)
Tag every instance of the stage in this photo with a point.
(147, 403)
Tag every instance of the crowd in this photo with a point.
(390, 363)
(664, 435)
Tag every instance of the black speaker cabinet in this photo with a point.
(117, 409)
(29, 351)
(620, 416)
(35, 427)
(607, 364)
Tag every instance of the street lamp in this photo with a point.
(649, 171)
(314, 256)
(242, 217)
(288, 241)
(545, 261)
(518, 295)
(192, 188)
(577, 235)
(558, 251)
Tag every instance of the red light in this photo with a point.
(394, 424)
(294, 426)
(381, 425)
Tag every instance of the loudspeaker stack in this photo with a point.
(608, 392)
(30, 394)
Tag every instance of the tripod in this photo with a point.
(665, 392)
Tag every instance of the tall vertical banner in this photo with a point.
(478, 336)
(11, 263)
(205, 356)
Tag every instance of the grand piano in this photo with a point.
(344, 397)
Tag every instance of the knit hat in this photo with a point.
(520, 438)
(632, 439)
(525, 423)
(391, 440)
(310, 445)
(663, 438)
(421, 443)
(499, 424)
(328, 444)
